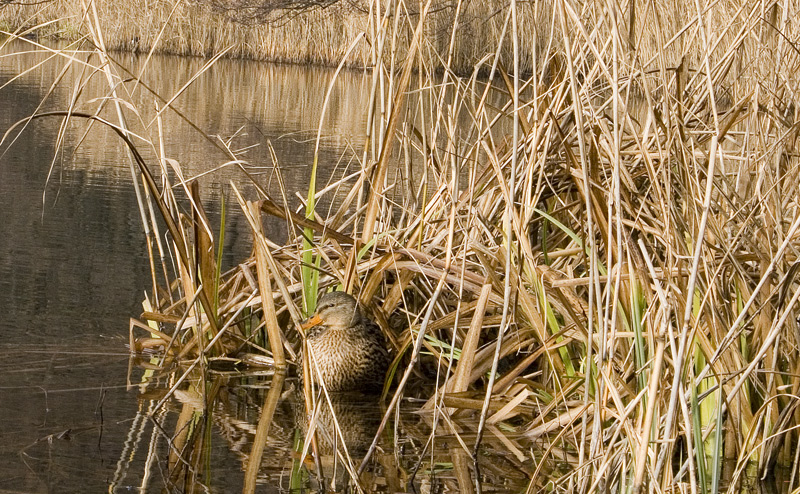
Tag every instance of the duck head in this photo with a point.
(336, 310)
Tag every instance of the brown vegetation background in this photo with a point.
(322, 36)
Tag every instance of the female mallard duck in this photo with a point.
(349, 349)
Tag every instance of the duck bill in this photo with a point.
(310, 323)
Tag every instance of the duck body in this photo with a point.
(349, 350)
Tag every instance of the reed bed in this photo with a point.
(594, 243)
(458, 35)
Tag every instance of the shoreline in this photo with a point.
(323, 37)
(320, 37)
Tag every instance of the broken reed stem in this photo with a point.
(262, 254)
(461, 379)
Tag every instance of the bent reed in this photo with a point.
(601, 255)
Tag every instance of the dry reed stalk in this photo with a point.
(253, 215)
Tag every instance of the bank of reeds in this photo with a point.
(458, 34)
(601, 255)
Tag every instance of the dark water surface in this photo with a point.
(73, 265)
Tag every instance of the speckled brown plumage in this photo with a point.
(349, 349)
